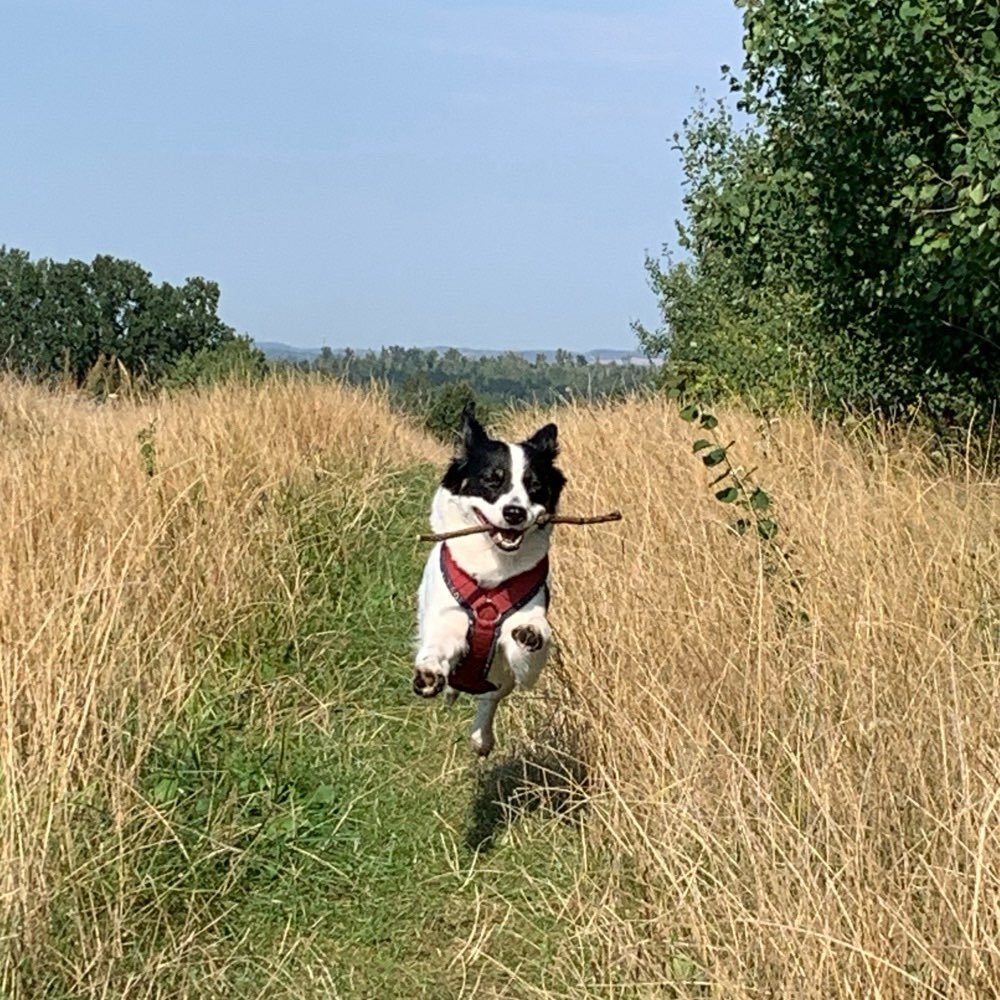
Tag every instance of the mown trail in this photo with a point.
(375, 857)
(424, 855)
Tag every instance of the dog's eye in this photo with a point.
(533, 487)
(494, 479)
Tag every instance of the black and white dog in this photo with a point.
(483, 597)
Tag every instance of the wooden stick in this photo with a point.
(478, 529)
(612, 515)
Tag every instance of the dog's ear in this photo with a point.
(544, 441)
(473, 433)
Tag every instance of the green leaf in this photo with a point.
(728, 495)
(709, 422)
(982, 117)
(689, 413)
(323, 795)
(165, 790)
(700, 444)
(767, 529)
(714, 457)
(759, 500)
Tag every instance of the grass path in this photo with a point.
(330, 836)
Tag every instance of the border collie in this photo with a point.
(483, 597)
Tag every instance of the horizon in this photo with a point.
(276, 346)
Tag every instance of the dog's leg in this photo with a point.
(439, 650)
(481, 736)
(526, 639)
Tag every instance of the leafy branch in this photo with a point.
(736, 487)
(742, 490)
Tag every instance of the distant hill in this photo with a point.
(601, 355)
(284, 352)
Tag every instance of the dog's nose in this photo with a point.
(514, 515)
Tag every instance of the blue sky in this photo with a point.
(357, 174)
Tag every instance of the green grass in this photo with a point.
(314, 830)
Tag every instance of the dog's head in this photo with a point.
(506, 486)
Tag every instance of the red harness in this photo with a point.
(487, 608)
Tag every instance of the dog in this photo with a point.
(483, 598)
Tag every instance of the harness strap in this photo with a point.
(487, 609)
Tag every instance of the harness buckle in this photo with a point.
(486, 611)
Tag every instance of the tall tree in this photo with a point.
(856, 225)
(64, 317)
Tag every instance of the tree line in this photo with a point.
(434, 386)
(416, 373)
(70, 320)
(99, 323)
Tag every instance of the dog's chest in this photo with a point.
(487, 608)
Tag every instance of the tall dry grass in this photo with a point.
(792, 789)
(134, 538)
(795, 788)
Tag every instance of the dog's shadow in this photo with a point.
(545, 773)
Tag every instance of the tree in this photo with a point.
(851, 236)
(236, 359)
(64, 318)
(444, 415)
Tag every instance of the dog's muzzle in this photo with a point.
(506, 539)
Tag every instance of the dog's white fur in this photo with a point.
(443, 625)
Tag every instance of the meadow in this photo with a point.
(745, 775)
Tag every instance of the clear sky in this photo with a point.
(480, 174)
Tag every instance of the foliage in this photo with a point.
(444, 416)
(737, 487)
(849, 241)
(68, 319)
(234, 358)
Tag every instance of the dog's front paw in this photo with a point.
(529, 637)
(481, 742)
(427, 682)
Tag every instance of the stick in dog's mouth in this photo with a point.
(477, 529)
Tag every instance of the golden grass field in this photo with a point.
(787, 789)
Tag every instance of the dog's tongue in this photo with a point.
(507, 538)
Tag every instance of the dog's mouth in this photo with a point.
(505, 539)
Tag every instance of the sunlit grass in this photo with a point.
(800, 782)
(216, 783)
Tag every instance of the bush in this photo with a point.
(849, 240)
(235, 359)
